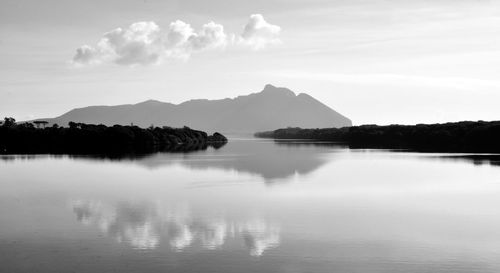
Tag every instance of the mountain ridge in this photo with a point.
(271, 108)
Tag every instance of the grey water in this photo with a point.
(251, 206)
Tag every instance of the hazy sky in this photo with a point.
(375, 61)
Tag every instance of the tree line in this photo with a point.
(83, 138)
(465, 136)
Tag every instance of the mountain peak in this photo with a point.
(151, 102)
(271, 89)
(269, 86)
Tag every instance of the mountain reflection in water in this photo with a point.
(148, 226)
(271, 160)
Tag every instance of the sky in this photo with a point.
(375, 61)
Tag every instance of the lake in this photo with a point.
(253, 205)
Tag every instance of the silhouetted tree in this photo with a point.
(72, 125)
(40, 122)
(9, 122)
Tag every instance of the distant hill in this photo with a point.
(272, 108)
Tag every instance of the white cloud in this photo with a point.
(145, 43)
(139, 44)
(258, 33)
(178, 33)
(85, 55)
(211, 36)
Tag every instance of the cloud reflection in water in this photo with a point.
(145, 226)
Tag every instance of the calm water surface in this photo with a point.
(252, 206)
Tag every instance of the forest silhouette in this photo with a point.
(88, 138)
(465, 136)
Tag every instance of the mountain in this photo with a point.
(272, 108)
